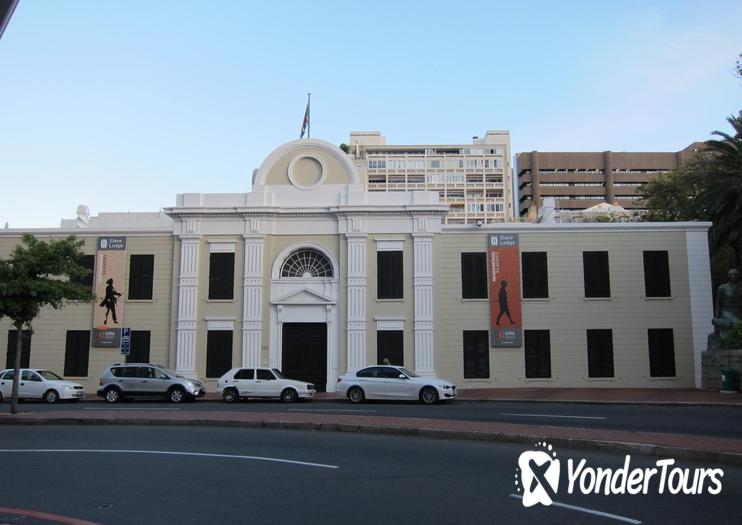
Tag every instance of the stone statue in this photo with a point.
(728, 308)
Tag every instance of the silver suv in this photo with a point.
(147, 380)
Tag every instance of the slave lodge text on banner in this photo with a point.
(504, 286)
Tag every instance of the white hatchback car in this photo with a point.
(39, 384)
(241, 383)
(393, 382)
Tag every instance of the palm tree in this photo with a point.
(721, 194)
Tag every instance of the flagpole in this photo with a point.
(309, 112)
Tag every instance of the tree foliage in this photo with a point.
(707, 187)
(39, 274)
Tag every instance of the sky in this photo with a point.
(120, 105)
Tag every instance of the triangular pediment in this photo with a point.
(304, 296)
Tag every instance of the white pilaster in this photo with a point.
(356, 324)
(187, 304)
(699, 284)
(252, 291)
(424, 319)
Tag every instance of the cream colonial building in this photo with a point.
(311, 273)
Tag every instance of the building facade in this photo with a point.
(579, 180)
(474, 179)
(313, 274)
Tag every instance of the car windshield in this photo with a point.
(51, 376)
(408, 373)
(278, 373)
(171, 373)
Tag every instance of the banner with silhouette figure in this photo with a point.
(108, 313)
(506, 321)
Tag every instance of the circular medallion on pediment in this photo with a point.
(307, 172)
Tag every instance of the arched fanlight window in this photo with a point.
(306, 263)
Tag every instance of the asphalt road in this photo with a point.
(695, 420)
(151, 475)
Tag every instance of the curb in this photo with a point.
(640, 449)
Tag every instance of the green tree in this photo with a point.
(672, 196)
(720, 194)
(35, 275)
(706, 187)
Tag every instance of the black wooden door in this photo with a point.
(305, 353)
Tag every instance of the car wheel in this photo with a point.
(176, 395)
(289, 395)
(356, 395)
(113, 395)
(51, 396)
(230, 395)
(429, 395)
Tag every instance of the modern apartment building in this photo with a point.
(474, 179)
(579, 180)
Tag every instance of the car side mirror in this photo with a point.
(402, 376)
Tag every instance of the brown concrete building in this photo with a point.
(579, 180)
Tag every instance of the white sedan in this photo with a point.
(39, 384)
(241, 383)
(393, 382)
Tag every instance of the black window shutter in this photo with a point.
(25, 348)
(537, 353)
(474, 275)
(390, 345)
(221, 276)
(657, 274)
(139, 348)
(600, 353)
(596, 273)
(218, 352)
(389, 275)
(476, 354)
(661, 352)
(77, 353)
(535, 275)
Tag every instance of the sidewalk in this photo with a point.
(684, 447)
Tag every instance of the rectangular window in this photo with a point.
(474, 275)
(389, 275)
(538, 353)
(600, 353)
(390, 345)
(656, 274)
(476, 354)
(139, 349)
(87, 262)
(76, 353)
(535, 275)
(221, 276)
(25, 348)
(597, 275)
(141, 273)
(661, 352)
(218, 352)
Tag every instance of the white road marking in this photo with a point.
(589, 511)
(553, 415)
(327, 410)
(133, 408)
(169, 453)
